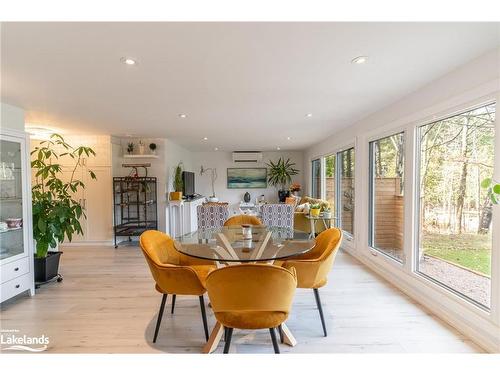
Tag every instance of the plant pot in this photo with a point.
(176, 195)
(47, 268)
(283, 194)
(327, 215)
(314, 211)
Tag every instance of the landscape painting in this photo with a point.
(246, 178)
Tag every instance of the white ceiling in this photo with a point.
(242, 85)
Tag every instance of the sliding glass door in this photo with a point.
(454, 212)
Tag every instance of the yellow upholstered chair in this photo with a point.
(312, 268)
(251, 296)
(174, 272)
(242, 220)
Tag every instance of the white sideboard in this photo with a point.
(182, 216)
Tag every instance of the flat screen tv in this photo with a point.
(188, 184)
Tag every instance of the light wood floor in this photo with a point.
(107, 304)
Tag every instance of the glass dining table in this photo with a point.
(244, 244)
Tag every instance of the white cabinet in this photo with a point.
(96, 200)
(97, 197)
(16, 241)
(182, 216)
(190, 215)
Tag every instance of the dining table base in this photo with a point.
(218, 330)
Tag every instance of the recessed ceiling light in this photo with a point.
(288, 138)
(128, 61)
(216, 149)
(205, 138)
(278, 148)
(359, 60)
(309, 115)
(183, 115)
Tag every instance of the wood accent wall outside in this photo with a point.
(388, 214)
(347, 212)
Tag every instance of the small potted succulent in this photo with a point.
(130, 147)
(315, 209)
(152, 147)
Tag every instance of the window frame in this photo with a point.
(371, 197)
(336, 151)
(416, 204)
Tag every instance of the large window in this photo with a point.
(316, 178)
(331, 182)
(386, 195)
(346, 195)
(455, 213)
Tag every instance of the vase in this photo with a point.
(246, 197)
(141, 149)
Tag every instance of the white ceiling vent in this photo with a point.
(247, 157)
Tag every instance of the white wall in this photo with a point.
(11, 117)
(169, 155)
(223, 160)
(472, 84)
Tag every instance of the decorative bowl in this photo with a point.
(14, 222)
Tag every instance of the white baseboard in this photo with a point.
(86, 243)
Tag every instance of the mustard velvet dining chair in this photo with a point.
(312, 268)
(174, 272)
(251, 296)
(242, 220)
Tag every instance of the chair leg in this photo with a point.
(228, 335)
(173, 303)
(160, 315)
(204, 316)
(318, 303)
(275, 342)
(280, 330)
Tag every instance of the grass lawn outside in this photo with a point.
(472, 251)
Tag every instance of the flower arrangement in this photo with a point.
(295, 187)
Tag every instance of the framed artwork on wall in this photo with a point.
(247, 178)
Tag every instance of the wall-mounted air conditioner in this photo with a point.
(247, 157)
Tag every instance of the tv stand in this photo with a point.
(184, 220)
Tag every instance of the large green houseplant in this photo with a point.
(280, 175)
(56, 215)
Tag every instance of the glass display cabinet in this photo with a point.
(16, 254)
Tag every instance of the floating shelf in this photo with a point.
(136, 156)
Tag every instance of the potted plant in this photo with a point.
(315, 209)
(56, 215)
(176, 195)
(130, 148)
(295, 188)
(327, 214)
(280, 175)
(152, 147)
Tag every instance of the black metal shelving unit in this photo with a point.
(135, 206)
